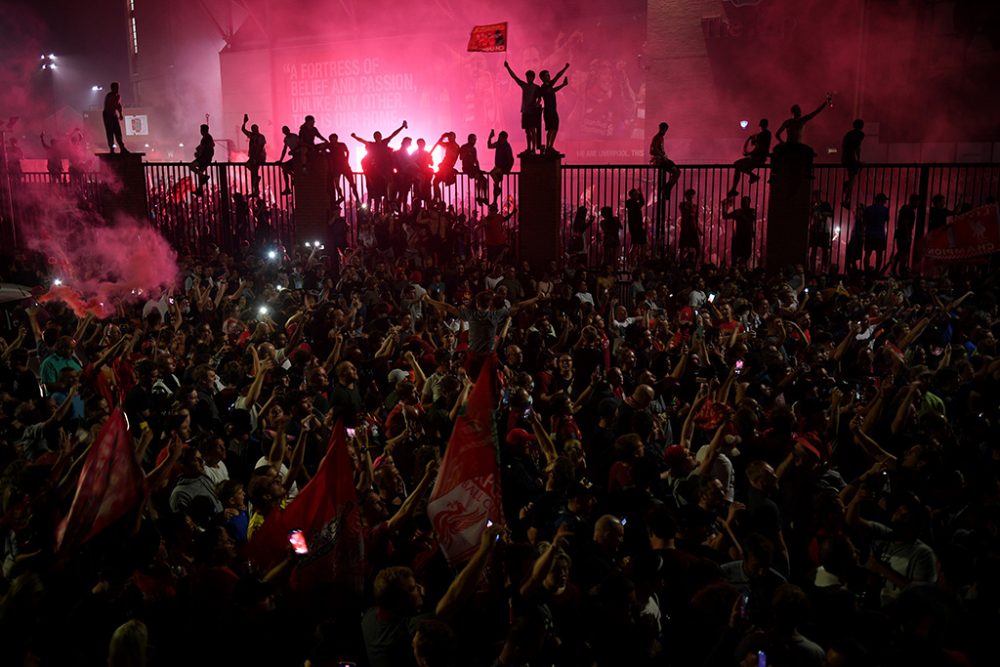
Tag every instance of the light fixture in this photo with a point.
(744, 123)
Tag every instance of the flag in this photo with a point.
(467, 491)
(489, 38)
(966, 236)
(111, 484)
(327, 512)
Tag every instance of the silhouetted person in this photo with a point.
(446, 172)
(471, 167)
(850, 158)
(755, 151)
(938, 216)
(256, 154)
(503, 160)
(76, 155)
(820, 231)
(424, 164)
(289, 147)
(340, 168)
(633, 218)
(308, 137)
(403, 174)
(547, 91)
(792, 128)
(876, 221)
(53, 158)
(690, 237)
(204, 153)
(906, 221)
(377, 164)
(531, 109)
(611, 228)
(111, 116)
(745, 219)
(667, 174)
(14, 157)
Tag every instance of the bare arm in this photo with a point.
(398, 130)
(809, 116)
(512, 75)
(409, 505)
(465, 583)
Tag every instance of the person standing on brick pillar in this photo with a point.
(111, 115)
(531, 108)
(792, 130)
(547, 92)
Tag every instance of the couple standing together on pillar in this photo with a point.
(538, 103)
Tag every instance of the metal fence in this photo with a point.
(225, 214)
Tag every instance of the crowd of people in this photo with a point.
(710, 466)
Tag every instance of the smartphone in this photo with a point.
(745, 605)
(298, 542)
(624, 522)
(351, 432)
(711, 297)
(527, 413)
(761, 659)
(739, 366)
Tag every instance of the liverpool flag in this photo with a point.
(489, 38)
(327, 512)
(111, 484)
(467, 492)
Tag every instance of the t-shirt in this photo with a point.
(876, 220)
(189, 488)
(504, 156)
(906, 220)
(388, 640)
(470, 158)
(483, 325)
(761, 145)
(53, 366)
(915, 561)
(852, 146)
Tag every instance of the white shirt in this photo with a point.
(218, 474)
(697, 298)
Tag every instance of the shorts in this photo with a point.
(530, 120)
(874, 244)
(551, 121)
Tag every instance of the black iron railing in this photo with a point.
(226, 215)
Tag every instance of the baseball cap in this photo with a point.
(398, 375)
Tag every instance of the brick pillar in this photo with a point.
(130, 198)
(788, 206)
(539, 205)
(312, 198)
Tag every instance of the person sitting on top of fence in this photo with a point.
(204, 153)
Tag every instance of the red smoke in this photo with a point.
(98, 264)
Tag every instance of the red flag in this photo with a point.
(467, 492)
(327, 512)
(110, 485)
(966, 237)
(489, 38)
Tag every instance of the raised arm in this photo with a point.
(824, 104)
(465, 583)
(360, 140)
(560, 72)
(243, 128)
(441, 305)
(398, 130)
(512, 75)
(409, 505)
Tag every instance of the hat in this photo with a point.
(674, 455)
(398, 375)
(519, 436)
